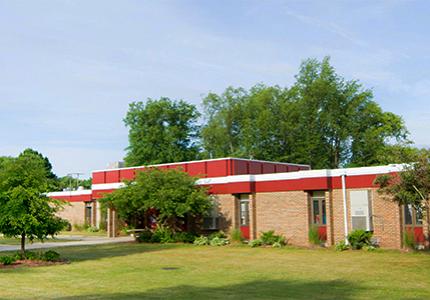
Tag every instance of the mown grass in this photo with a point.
(13, 241)
(138, 271)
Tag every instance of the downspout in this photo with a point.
(345, 210)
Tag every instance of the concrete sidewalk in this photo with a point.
(83, 241)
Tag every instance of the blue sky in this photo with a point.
(68, 69)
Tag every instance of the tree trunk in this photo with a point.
(23, 245)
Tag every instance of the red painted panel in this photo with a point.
(240, 167)
(322, 233)
(197, 169)
(112, 176)
(74, 198)
(292, 185)
(217, 168)
(281, 168)
(98, 177)
(268, 168)
(127, 174)
(231, 188)
(100, 193)
(182, 167)
(245, 232)
(254, 167)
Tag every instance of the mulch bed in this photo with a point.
(33, 263)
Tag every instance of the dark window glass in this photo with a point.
(324, 221)
(419, 216)
(408, 214)
(316, 210)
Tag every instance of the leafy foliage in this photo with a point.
(409, 240)
(256, 243)
(172, 193)
(161, 131)
(201, 241)
(359, 238)
(218, 241)
(270, 238)
(411, 186)
(313, 235)
(322, 120)
(25, 210)
(341, 246)
(236, 236)
(50, 255)
(7, 260)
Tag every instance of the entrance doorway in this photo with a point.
(413, 223)
(244, 215)
(319, 216)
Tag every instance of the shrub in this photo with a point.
(201, 241)
(184, 237)
(31, 255)
(359, 238)
(369, 248)
(50, 255)
(314, 236)
(92, 229)
(163, 234)
(7, 260)
(277, 245)
(217, 241)
(256, 243)
(144, 236)
(218, 234)
(270, 238)
(341, 246)
(409, 240)
(236, 235)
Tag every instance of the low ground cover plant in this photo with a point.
(165, 235)
(7, 260)
(313, 235)
(215, 239)
(48, 256)
(269, 238)
(359, 238)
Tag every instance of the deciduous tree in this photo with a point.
(25, 210)
(172, 193)
(161, 131)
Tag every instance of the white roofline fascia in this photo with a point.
(196, 161)
(69, 193)
(280, 176)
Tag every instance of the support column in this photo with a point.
(252, 217)
(98, 214)
(112, 223)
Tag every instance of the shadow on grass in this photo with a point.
(95, 252)
(270, 289)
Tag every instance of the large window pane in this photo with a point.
(316, 211)
(408, 214)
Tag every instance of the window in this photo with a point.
(244, 210)
(211, 221)
(318, 208)
(88, 213)
(413, 216)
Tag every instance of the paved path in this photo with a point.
(81, 241)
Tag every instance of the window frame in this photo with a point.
(321, 199)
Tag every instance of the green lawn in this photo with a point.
(12, 241)
(135, 271)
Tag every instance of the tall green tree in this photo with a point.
(172, 193)
(161, 131)
(25, 210)
(322, 120)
